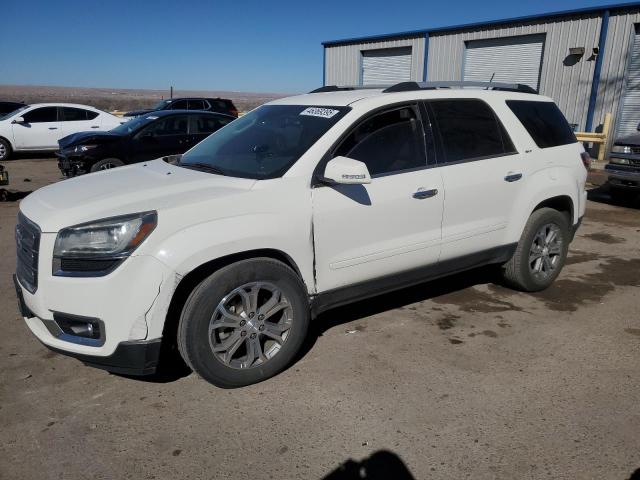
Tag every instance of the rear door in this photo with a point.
(201, 126)
(362, 232)
(74, 120)
(482, 174)
(41, 129)
(166, 136)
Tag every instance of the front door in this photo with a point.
(165, 136)
(362, 232)
(41, 129)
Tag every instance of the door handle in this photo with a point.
(513, 177)
(95, 126)
(53, 128)
(421, 194)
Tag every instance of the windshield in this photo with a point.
(160, 105)
(10, 114)
(264, 143)
(134, 124)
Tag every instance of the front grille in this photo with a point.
(27, 246)
(635, 150)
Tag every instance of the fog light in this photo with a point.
(78, 326)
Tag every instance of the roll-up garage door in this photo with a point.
(386, 66)
(629, 116)
(511, 60)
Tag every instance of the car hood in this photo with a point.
(632, 140)
(154, 185)
(83, 138)
(137, 113)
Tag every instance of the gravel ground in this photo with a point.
(451, 379)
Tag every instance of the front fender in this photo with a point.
(187, 249)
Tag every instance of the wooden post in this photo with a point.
(606, 126)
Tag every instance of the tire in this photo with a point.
(5, 150)
(106, 164)
(214, 345)
(533, 252)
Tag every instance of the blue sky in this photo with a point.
(270, 46)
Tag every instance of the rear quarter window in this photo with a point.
(544, 121)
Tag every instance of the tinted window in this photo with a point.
(544, 122)
(207, 124)
(73, 114)
(196, 105)
(176, 125)
(469, 129)
(39, 115)
(388, 142)
(265, 142)
(91, 114)
(180, 105)
(219, 105)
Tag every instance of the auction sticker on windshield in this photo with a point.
(319, 112)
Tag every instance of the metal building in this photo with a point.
(587, 60)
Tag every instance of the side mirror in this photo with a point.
(346, 171)
(18, 120)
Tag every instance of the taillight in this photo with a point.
(586, 160)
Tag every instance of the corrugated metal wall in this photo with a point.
(567, 82)
(614, 64)
(342, 62)
(569, 85)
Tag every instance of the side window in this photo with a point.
(91, 114)
(40, 115)
(544, 122)
(468, 129)
(388, 142)
(174, 125)
(180, 105)
(196, 105)
(206, 124)
(73, 114)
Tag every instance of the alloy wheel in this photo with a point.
(250, 325)
(545, 252)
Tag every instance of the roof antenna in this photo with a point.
(491, 80)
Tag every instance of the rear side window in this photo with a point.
(73, 114)
(544, 121)
(207, 124)
(41, 115)
(180, 105)
(468, 129)
(389, 142)
(196, 105)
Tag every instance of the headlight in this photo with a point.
(83, 148)
(621, 149)
(96, 248)
(619, 161)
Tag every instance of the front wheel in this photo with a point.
(244, 323)
(541, 251)
(5, 150)
(106, 164)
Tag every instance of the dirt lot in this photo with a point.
(457, 378)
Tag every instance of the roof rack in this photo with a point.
(336, 88)
(411, 86)
(506, 87)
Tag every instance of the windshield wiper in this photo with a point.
(205, 167)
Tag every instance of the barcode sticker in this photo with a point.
(319, 112)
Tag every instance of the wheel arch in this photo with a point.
(562, 203)
(199, 273)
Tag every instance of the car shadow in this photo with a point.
(396, 299)
(602, 194)
(381, 465)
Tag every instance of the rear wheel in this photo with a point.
(5, 150)
(244, 323)
(541, 251)
(106, 164)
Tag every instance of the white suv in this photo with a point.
(305, 203)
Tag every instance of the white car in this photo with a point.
(38, 127)
(305, 203)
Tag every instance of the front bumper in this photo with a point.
(72, 165)
(623, 176)
(129, 304)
